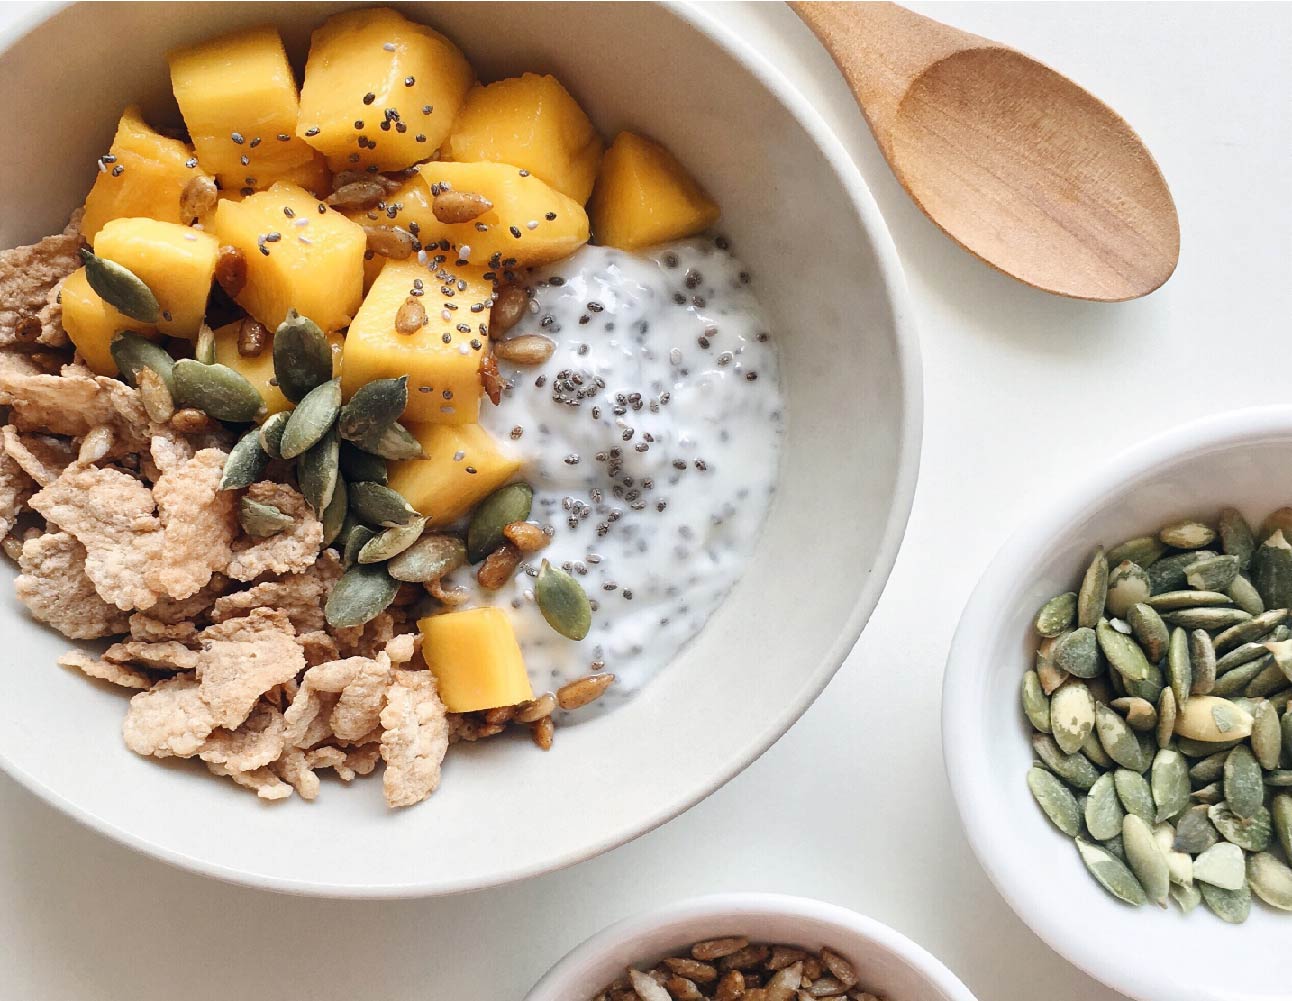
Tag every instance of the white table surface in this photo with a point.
(852, 805)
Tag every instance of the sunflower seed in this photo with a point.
(1252, 833)
(302, 356)
(335, 514)
(261, 520)
(1186, 897)
(271, 433)
(1232, 906)
(317, 471)
(1149, 630)
(1221, 865)
(429, 559)
(1166, 711)
(1214, 574)
(411, 317)
(363, 592)
(361, 194)
(509, 304)
(1035, 704)
(156, 398)
(535, 349)
(1134, 793)
(204, 346)
(358, 537)
(1253, 629)
(392, 542)
(372, 409)
(1173, 601)
(393, 242)
(1244, 789)
(246, 462)
(1074, 769)
(359, 466)
(1169, 784)
(217, 390)
(1128, 585)
(1103, 811)
(1281, 821)
(1077, 653)
(120, 288)
(1093, 592)
(1144, 550)
(1167, 574)
(1194, 833)
(378, 505)
(311, 419)
(1110, 873)
(1245, 596)
(1146, 859)
(1266, 736)
(579, 693)
(497, 511)
(563, 602)
(131, 352)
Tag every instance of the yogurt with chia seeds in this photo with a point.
(651, 439)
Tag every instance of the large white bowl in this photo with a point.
(799, 213)
(890, 964)
(1241, 459)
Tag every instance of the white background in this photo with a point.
(1023, 390)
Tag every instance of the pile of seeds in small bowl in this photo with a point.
(734, 969)
(1159, 704)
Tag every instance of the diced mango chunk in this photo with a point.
(238, 98)
(91, 323)
(475, 658)
(299, 254)
(529, 224)
(176, 262)
(530, 121)
(145, 177)
(403, 81)
(442, 360)
(259, 369)
(464, 464)
(644, 196)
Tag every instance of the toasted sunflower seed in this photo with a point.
(509, 304)
(217, 390)
(1074, 769)
(302, 356)
(204, 346)
(261, 520)
(361, 194)
(485, 533)
(393, 242)
(529, 350)
(1103, 809)
(1169, 784)
(429, 559)
(156, 398)
(271, 433)
(312, 419)
(120, 288)
(1111, 873)
(1252, 833)
(540, 708)
(363, 592)
(132, 353)
(378, 505)
(1271, 880)
(245, 464)
(1035, 704)
(579, 693)
(373, 408)
(1221, 865)
(1093, 592)
(318, 471)
(564, 604)
(454, 207)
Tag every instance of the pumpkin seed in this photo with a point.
(1138, 713)
(317, 471)
(1057, 615)
(246, 462)
(395, 443)
(1134, 793)
(1221, 865)
(1058, 804)
(1202, 663)
(1123, 653)
(1103, 810)
(1214, 574)
(1147, 861)
(1245, 595)
(217, 390)
(1169, 784)
(1149, 630)
(1279, 778)
(1281, 821)
(562, 601)
(311, 419)
(302, 356)
(1236, 681)
(1167, 574)
(1210, 794)
(1074, 769)
(335, 514)
(1231, 906)
(1271, 679)
(392, 542)
(1173, 601)
(1166, 711)
(363, 592)
(1178, 668)
(158, 404)
(373, 408)
(131, 352)
(1272, 571)
(1210, 619)
(120, 288)
(360, 535)
(495, 513)
(1270, 880)
(376, 505)
(1077, 653)
(1252, 833)
(1051, 677)
(1093, 592)
(1194, 833)
(1145, 550)
(1253, 629)
(1282, 654)
(1148, 687)
(1244, 789)
(1210, 768)
(1128, 585)
(1110, 873)
(1186, 534)
(1072, 715)
(1235, 536)
(1209, 718)
(204, 346)
(1114, 846)
(429, 559)
(1186, 897)
(359, 466)
(271, 433)
(1035, 704)
(1266, 736)
(1094, 750)
(1240, 655)
(261, 520)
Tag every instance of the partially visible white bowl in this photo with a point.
(1243, 459)
(889, 964)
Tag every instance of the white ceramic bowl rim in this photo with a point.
(971, 778)
(908, 452)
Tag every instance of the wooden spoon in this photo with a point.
(1014, 162)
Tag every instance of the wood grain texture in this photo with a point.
(1013, 161)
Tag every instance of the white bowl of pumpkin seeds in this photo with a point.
(1115, 715)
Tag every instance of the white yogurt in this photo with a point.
(651, 440)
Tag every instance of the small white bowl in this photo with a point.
(1241, 459)
(889, 964)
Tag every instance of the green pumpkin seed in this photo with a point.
(1286, 726)
(1210, 768)
(1126, 747)
(1110, 873)
(1134, 793)
(1169, 784)
(1122, 652)
(1093, 592)
(1128, 585)
(1245, 653)
(1179, 669)
(1221, 865)
(1210, 718)
(1235, 682)
(1270, 880)
(1095, 752)
(1175, 601)
(131, 352)
(1076, 653)
(1235, 536)
(1058, 804)
(1115, 847)
(271, 433)
(217, 391)
(335, 514)
(1231, 906)
(373, 408)
(317, 471)
(359, 536)
(494, 513)
(311, 419)
(1252, 833)
(1072, 715)
(1186, 897)
(395, 443)
(1282, 654)
(204, 346)
(1139, 714)
(1149, 630)
(1202, 664)
(1147, 861)
(437, 555)
(1272, 571)
(1210, 619)
(1144, 550)
(1165, 718)
(358, 466)
(1194, 833)
(1279, 778)
(121, 288)
(563, 602)
(1270, 680)
(1035, 704)
(261, 520)
(246, 463)
(392, 542)
(302, 356)
(1167, 574)
(1214, 574)
(1281, 821)
(1244, 788)
(1074, 769)
(1057, 615)
(1103, 810)
(380, 506)
(1186, 534)
(1211, 794)
(1266, 736)
(1245, 595)
(1253, 629)
(1149, 688)
(363, 592)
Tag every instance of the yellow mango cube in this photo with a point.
(442, 360)
(529, 224)
(380, 90)
(475, 658)
(299, 254)
(176, 262)
(530, 121)
(238, 98)
(464, 464)
(644, 196)
(144, 177)
(259, 369)
(91, 323)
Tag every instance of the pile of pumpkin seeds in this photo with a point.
(1159, 704)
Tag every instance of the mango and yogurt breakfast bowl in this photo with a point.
(634, 395)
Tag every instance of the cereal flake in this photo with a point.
(54, 587)
(415, 740)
